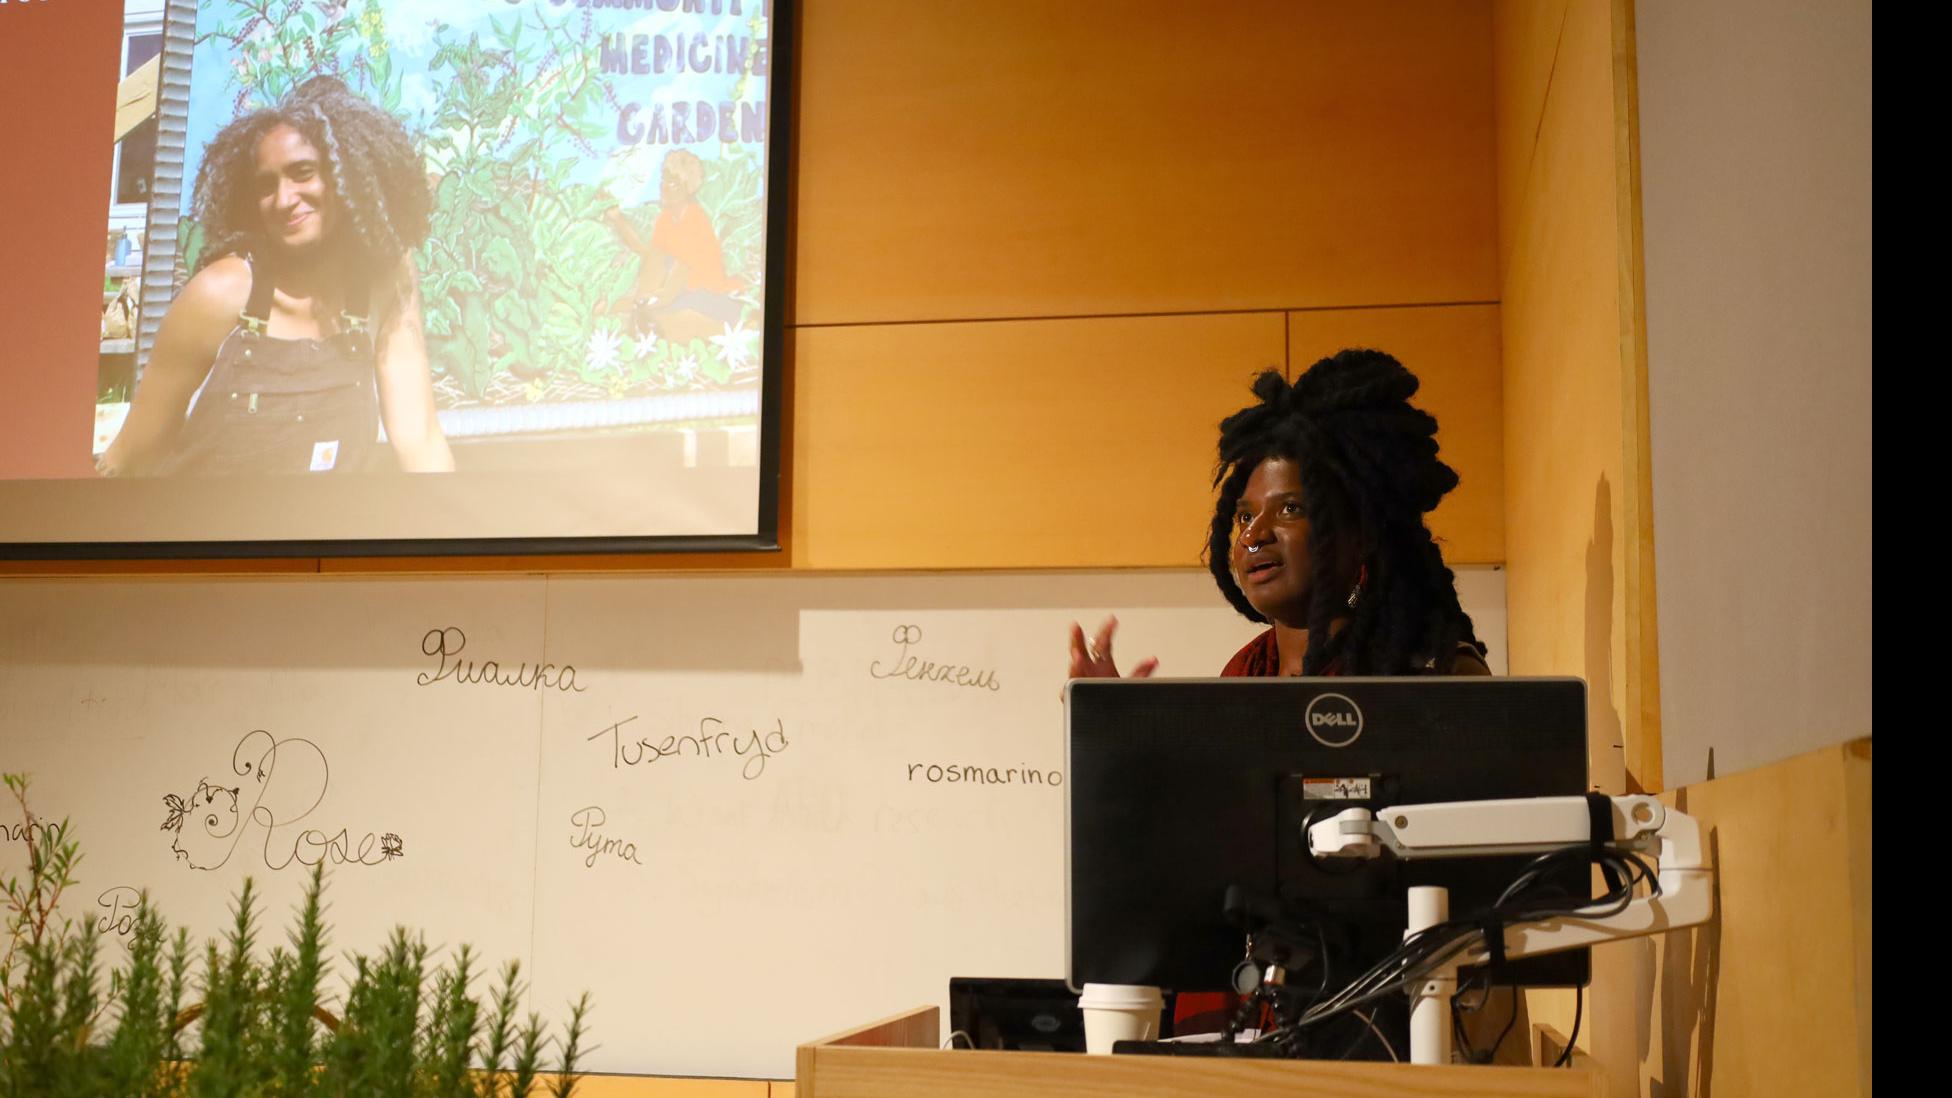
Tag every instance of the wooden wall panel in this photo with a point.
(1579, 579)
(1023, 158)
(1773, 996)
(1563, 444)
(1018, 444)
(1525, 46)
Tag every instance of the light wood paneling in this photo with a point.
(1023, 158)
(1525, 44)
(1022, 444)
(1773, 996)
(1563, 440)
(1577, 591)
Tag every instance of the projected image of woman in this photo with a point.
(299, 332)
(1318, 531)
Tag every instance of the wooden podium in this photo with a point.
(898, 1057)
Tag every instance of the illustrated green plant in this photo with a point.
(276, 44)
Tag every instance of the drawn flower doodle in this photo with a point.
(283, 783)
(206, 824)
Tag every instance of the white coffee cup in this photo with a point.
(1119, 1012)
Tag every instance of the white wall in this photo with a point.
(1755, 142)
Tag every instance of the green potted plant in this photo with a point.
(260, 1026)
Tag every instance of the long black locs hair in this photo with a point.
(376, 177)
(1369, 473)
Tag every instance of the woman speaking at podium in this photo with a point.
(1319, 533)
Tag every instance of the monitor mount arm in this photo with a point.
(1539, 825)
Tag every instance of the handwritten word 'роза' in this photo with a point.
(713, 739)
(916, 669)
(123, 903)
(445, 645)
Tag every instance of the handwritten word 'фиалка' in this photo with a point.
(445, 646)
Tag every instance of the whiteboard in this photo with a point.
(740, 811)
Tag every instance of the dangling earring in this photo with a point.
(1355, 594)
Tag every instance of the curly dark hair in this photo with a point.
(1369, 473)
(376, 177)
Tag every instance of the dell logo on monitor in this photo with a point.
(1333, 720)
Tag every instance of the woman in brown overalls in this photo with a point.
(299, 333)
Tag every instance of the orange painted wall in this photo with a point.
(58, 71)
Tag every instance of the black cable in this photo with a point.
(1365, 1029)
(1273, 1003)
(1457, 1013)
(1277, 1009)
(1362, 1034)
(1428, 949)
(1632, 869)
(1423, 952)
(1505, 1032)
(1578, 1007)
(1321, 936)
(1525, 900)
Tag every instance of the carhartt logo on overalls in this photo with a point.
(311, 407)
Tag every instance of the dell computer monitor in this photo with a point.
(1181, 790)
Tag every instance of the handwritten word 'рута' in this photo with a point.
(713, 740)
(588, 822)
(445, 645)
(914, 668)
